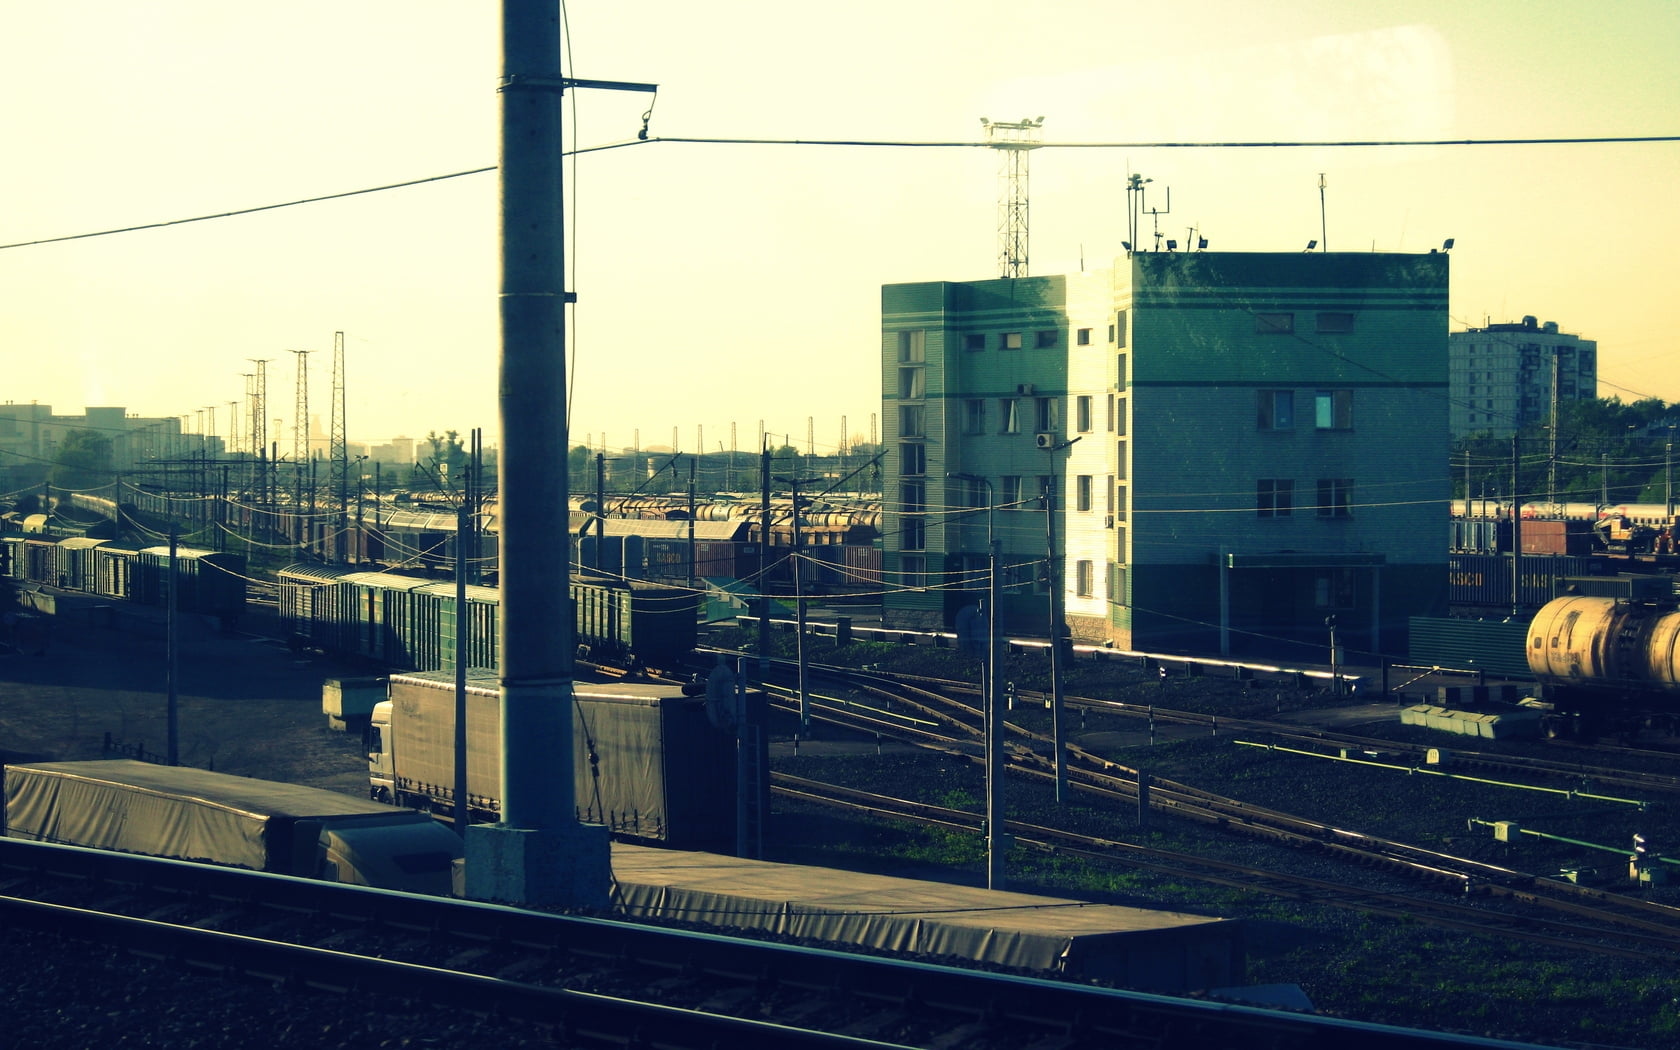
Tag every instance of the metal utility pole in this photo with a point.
(1516, 526)
(763, 559)
(693, 465)
(173, 658)
(338, 450)
(1013, 140)
(539, 854)
(466, 545)
(799, 601)
(997, 843)
(1058, 626)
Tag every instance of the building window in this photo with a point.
(974, 340)
(1116, 590)
(971, 492)
(1082, 337)
(1334, 589)
(1083, 576)
(1009, 341)
(1009, 418)
(1119, 339)
(1082, 492)
(974, 416)
(1120, 459)
(912, 571)
(1335, 321)
(912, 532)
(1009, 491)
(912, 420)
(912, 496)
(1110, 486)
(1274, 497)
(912, 346)
(1119, 426)
(1120, 506)
(1018, 574)
(1335, 497)
(1120, 371)
(1049, 414)
(1274, 324)
(1082, 413)
(1277, 409)
(1333, 410)
(912, 383)
(912, 459)
(1045, 339)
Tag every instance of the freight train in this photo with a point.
(410, 623)
(1604, 644)
(207, 582)
(1644, 530)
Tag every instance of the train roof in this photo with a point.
(583, 524)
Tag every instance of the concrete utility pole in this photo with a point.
(539, 855)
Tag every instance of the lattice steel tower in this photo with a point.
(1013, 140)
(259, 426)
(300, 427)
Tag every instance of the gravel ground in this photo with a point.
(248, 706)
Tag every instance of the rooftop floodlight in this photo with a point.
(1201, 244)
(1172, 246)
(1447, 244)
(1126, 245)
(1311, 245)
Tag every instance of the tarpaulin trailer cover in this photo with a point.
(185, 813)
(646, 760)
(1137, 947)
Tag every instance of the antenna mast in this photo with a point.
(1323, 229)
(1013, 140)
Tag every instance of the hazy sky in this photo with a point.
(724, 284)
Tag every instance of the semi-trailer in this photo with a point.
(655, 762)
(184, 813)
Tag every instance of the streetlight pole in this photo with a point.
(992, 694)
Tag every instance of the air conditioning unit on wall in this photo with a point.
(1025, 389)
(1045, 440)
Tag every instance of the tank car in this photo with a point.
(1607, 660)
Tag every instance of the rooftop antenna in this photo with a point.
(1323, 230)
(1155, 218)
(1013, 140)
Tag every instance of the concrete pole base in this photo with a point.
(565, 868)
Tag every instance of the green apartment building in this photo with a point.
(1236, 447)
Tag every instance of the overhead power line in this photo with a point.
(864, 143)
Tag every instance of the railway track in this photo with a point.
(1641, 928)
(1597, 931)
(599, 982)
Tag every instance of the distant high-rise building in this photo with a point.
(1506, 376)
